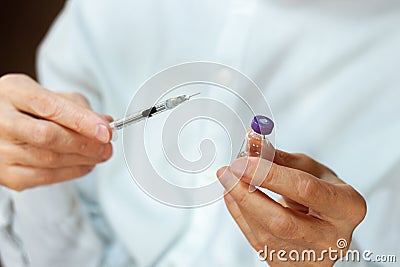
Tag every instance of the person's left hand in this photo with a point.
(318, 211)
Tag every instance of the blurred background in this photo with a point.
(23, 24)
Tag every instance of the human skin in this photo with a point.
(316, 209)
(47, 137)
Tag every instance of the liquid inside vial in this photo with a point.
(256, 143)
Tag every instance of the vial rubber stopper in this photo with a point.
(262, 125)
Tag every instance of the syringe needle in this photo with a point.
(193, 95)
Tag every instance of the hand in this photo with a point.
(317, 208)
(46, 137)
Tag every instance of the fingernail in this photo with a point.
(227, 179)
(220, 171)
(239, 166)
(105, 152)
(108, 118)
(102, 133)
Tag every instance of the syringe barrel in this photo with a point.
(149, 112)
(138, 116)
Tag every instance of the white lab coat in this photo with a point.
(329, 69)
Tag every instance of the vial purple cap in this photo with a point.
(262, 125)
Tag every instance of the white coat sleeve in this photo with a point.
(47, 226)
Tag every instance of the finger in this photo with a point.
(107, 117)
(27, 155)
(51, 136)
(76, 97)
(22, 177)
(45, 104)
(304, 163)
(83, 102)
(261, 210)
(257, 234)
(297, 185)
(237, 215)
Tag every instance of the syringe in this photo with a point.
(150, 112)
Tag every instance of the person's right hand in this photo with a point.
(47, 137)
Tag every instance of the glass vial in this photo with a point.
(256, 143)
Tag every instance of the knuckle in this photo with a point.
(43, 134)
(18, 187)
(78, 120)
(8, 153)
(14, 184)
(45, 176)
(7, 78)
(46, 105)
(283, 227)
(285, 156)
(330, 191)
(38, 134)
(10, 180)
(4, 148)
(7, 125)
(52, 158)
(303, 159)
(14, 77)
(85, 170)
(358, 210)
(9, 81)
(308, 189)
(84, 148)
(301, 156)
(362, 208)
(79, 98)
(242, 198)
(362, 211)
